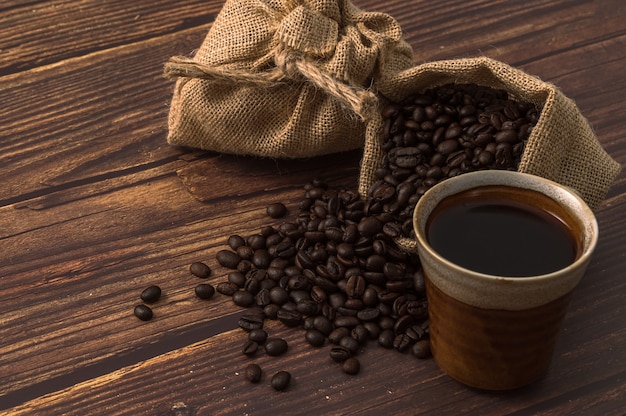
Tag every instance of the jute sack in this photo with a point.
(284, 78)
(561, 147)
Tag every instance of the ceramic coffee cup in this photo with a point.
(496, 332)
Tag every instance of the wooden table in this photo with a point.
(93, 210)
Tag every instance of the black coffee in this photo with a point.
(487, 231)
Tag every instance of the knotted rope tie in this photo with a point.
(288, 66)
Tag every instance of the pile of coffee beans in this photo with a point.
(444, 132)
(335, 272)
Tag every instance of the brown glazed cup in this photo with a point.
(496, 332)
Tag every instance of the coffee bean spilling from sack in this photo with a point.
(444, 132)
(335, 272)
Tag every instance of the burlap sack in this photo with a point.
(284, 78)
(562, 146)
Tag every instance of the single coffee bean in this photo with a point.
(258, 335)
(243, 298)
(228, 259)
(261, 258)
(289, 318)
(271, 310)
(249, 322)
(143, 312)
(200, 270)
(351, 366)
(235, 241)
(323, 324)
(276, 210)
(250, 348)
(337, 334)
(280, 380)
(253, 373)
(151, 294)
(340, 354)
(421, 349)
(347, 321)
(386, 338)
(276, 346)
(227, 288)
(314, 337)
(204, 291)
(401, 342)
(370, 226)
(350, 343)
(245, 252)
(279, 295)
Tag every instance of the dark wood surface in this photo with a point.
(95, 206)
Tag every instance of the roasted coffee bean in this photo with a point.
(204, 291)
(346, 321)
(243, 298)
(386, 338)
(245, 252)
(350, 343)
(271, 310)
(250, 348)
(253, 373)
(351, 366)
(340, 354)
(337, 334)
(415, 332)
(421, 349)
(237, 278)
(151, 294)
(258, 335)
(143, 312)
(280, 380)
(355, 286)
(261, 258)
(359, 333)
(323, 325)
(228, 259)
(315, 337)
(256, 241)
(200, 270)
(401, 342)
(249, 322)
(227, 288)
(368, 314)
(370, 297)
(289, 318)
(276, 346)
(370, 226)
(373, 329)
(276, 210)
(279, 295)
(307, 307)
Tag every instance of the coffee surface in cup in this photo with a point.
(493, 230)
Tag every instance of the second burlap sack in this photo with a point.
(561, 147)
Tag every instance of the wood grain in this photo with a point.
(95, 206)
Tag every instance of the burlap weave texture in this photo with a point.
(284, 78)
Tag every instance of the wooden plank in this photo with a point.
(79, 28)
(96, 115)
(208, 378)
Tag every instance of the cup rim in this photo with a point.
(506, 178)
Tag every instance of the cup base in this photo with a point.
(489, 349)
